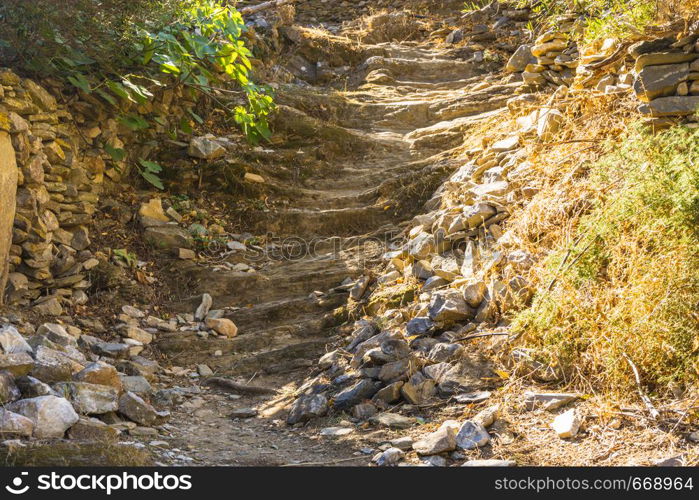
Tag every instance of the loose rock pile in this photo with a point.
(57, 380)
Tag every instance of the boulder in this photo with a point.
(89, 399)
(57, 334)
(389, 394)
(51, 415)
(32, 387)
(421, 246)
(136, 384)
(662, 58)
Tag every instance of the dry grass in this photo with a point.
(616, 239)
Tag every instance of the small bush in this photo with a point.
(629, 284)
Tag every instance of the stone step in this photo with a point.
(281, 280)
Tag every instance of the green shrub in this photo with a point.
(119, 50)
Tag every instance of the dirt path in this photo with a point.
(393, 137)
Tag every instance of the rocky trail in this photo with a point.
(355, 309)
(284, 312)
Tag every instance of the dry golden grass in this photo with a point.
(618, 268)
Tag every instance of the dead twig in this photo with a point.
(654, 413)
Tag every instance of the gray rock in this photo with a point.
(434, 283)
(393, 420)
(449, 306)
(647, 46)
(671, 106)
(12, 341)
(520, 59)
(454, 37)
(443, 439)
(307, 407)
(136, 384)
(243, 413)
(403, 443)
(471, 435)
(205, 148)
(364, 389)
(435, 461)
(89, 399)
(17, 364)
(51, 365)
(51, 415)
(660, 81)
(135, 408)
(389, 458)
(363, 411)
(91, 429)
(357, 291)
(168, 237)
(363, 331)
(397, 370)
(8, 388)
(389, 394)
(461, 377)
(421, 246)
(445, 352)
(474, 292)
(418, 390)
(56, 333)
(32, 387)
(548, 400)
(100, 373)
(421, 325)
(14, 424)
(204, 307)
